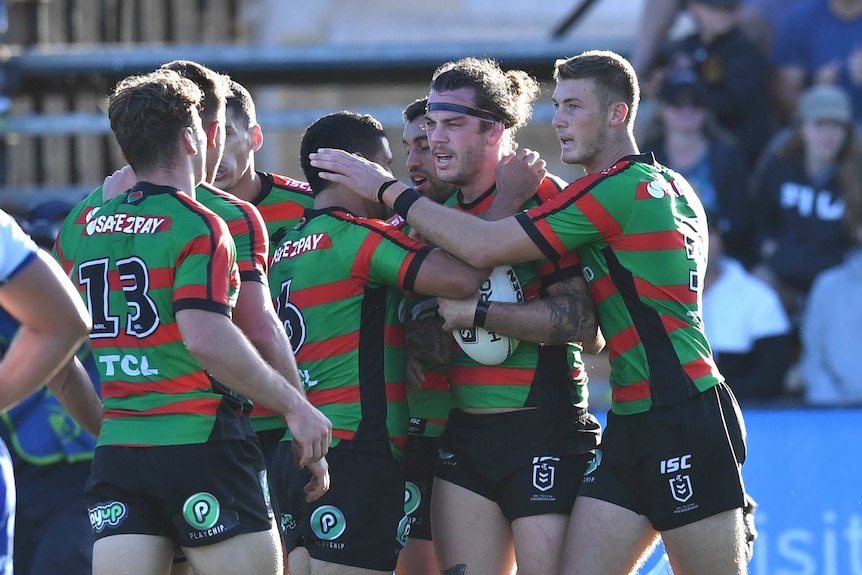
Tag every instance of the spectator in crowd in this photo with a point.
(832, 331)
(684, 136)
(759, 19)
(800, 194)
(732, 72)
(746, 325)
(819, 42)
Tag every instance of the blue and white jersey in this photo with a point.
(17, 250)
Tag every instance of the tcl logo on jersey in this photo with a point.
(128, 364)
(126, 224)
(674, 464)
(291, 249)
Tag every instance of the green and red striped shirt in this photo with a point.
(641, 233)
(281, 202)
(536, 375)
(137, 260)
(333, 279)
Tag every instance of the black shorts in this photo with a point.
(529, 462)
(360, 521)
(420, 458)
(675, 464)
(269, 441)
(196, 495)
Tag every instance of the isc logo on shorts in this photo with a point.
(674, 464)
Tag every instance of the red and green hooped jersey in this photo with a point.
(535, 375)
(246, 227)
(281, 202)
(641, 233)
(333, 279)
(137, 260)
(430, 404)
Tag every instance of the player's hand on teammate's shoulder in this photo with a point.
(118, 182)
(519, 175)
(312, 434)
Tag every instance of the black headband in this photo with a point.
(475, 112)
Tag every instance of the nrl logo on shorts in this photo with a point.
(680, 488)
(544, 472)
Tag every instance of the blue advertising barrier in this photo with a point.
(804, 469)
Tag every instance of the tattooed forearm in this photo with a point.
(573, 312)
(427, 341)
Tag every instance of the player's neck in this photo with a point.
(341, 197)
(614, 151)
(483, 181)
(248, 186)
(179, 178)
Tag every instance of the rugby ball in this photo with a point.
(487, 347)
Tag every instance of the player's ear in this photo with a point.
(212, 132)
(190, 142)
(495, 133)
(256, 138)
(619, 113)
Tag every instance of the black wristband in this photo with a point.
(383, 187)
(481, 314)
(405, 201)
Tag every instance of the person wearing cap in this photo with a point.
(732, 71)
(685, 136)
(800, 195)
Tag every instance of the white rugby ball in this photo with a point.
(484, 346)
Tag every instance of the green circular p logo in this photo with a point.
(328, 522)
(412, 497)
(594, 462)
(201, 510)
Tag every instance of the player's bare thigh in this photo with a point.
(711, 546)
(539, 543)
(259, 552)
(417, 558)
(470, 530)
(129, 554)
(605, 539)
